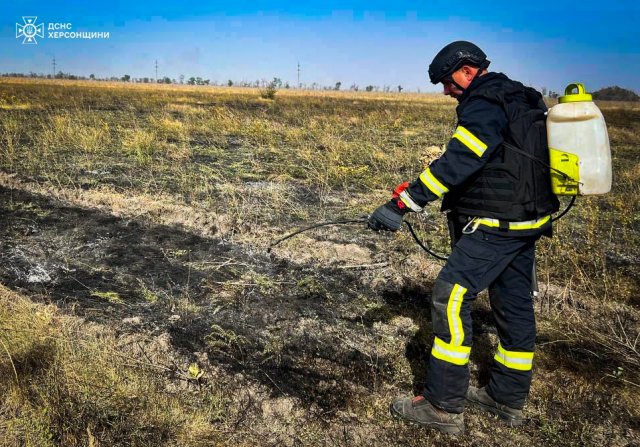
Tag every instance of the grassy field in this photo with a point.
(139, 305)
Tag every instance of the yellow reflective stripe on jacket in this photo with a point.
(521, 361)
(470, 140)
(433, 183)
(458, 355)
(453, 314)
(526, 225)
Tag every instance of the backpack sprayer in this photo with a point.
(579, 152)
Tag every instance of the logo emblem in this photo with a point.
(29, 30)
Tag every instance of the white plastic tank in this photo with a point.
(578, 145)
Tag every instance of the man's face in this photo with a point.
(462, 77)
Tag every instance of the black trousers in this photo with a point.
(502, 263)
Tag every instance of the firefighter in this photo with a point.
(494, 182)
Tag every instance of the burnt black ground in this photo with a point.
(286, 326)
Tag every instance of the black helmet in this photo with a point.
(454, 56)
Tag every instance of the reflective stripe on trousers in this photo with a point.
(521, 361)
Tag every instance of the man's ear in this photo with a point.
(469, 72)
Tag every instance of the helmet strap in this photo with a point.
(472, 79)
(457, 85)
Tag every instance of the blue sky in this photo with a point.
(541, 43)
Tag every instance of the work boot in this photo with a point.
(421, 412)
(479, 398)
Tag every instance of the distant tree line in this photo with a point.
(615, 93)
(197, 80)
(59, 75)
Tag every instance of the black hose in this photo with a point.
(362, 219)
(566, 210)
(424, 247)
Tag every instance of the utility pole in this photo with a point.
(156, 71)
(54, 67)
(298, 74)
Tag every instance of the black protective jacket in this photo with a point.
(483, 172)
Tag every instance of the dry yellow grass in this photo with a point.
(67, 382)
(174, 90)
